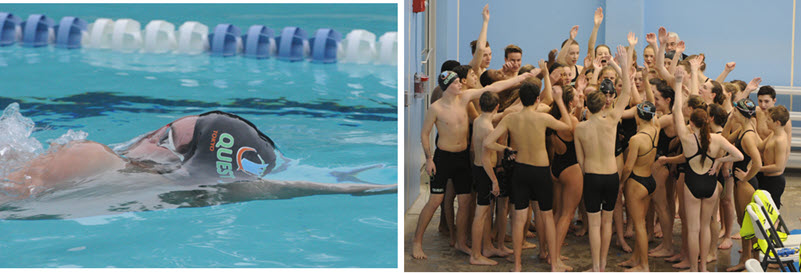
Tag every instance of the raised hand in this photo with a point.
(508, 67)
(599, 16)
(485, 13)
(662, 35)
(587, 61)
(679, 74)
(650, 38)
(543, 65)
(581, 83)
(534, 72)
(680, 48)
(574, 32)
(730, 66)
(754, 84)
(557, 92)
(695, 64)
(597, 64)
(621, 56)
(632, 39)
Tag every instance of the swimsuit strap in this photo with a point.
(653, 142)
(560, 138)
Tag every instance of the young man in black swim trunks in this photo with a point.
(598, 163)
(452, 159)
(774, 154)
(531, 177)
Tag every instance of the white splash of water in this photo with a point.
(16, 144)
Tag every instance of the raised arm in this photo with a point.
(752, 85)
(563, 51)
(564, 122)
(695, 64)
(597, 19)
(481, 43)
(679, 50)
(500, 85)
(729, 67)
(635, 94)
(625, 95)
(547, 89)
(659, 59)
(678, 103)
(646, 84)
(428, 124)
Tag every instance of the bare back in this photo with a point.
(482, 127)
(597, 136)
(527, 131)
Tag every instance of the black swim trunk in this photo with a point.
(455, 166)
(774, 185)
(532, 183)
(504, 181)
(483, 185)
(600, 190)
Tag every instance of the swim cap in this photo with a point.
(646, 110)
(746, 107)
(229, 148)
(446, 79)
(607, 87)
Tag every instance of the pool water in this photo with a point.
(331, 121)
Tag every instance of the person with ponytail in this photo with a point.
(702, 190)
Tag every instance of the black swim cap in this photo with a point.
(607, 87)
(229, 148)
(446, 79)
(746, 107)
(646, 110)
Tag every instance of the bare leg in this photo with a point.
(707, 208)
(618, 213)
(461, 222)
(729, 216)
(478, 232)
(637, 201)
(692, 208)
(518, 223)
(663, 211)
(422, 223)
(500, 225)
(684, 252)
(606, 236)
(595, 239)
(447, 214)
(742, 196)
(538, 222)
(571, 195)
(585, 222)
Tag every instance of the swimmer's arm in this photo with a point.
(625, 94)
(597, 19)
(780, 158)
(762, 141)
(500, 85)
(727, 68)
(486, 162)
(481, 43)
(659, 59)
(428, 125)
(563, 51)
(695, 63)
(631, 158)
(728, 129)
(646, 84)
(733, 153)
(579, 148)
(676, 159)
(675, 61)
(491, 141)
(547, 88)
(762, 126)
(678, 115)
(752, 85)
(629, 113)
(635, 94)
(750, 146)
(472, 113)
(274, 189)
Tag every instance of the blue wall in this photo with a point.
(755, 34)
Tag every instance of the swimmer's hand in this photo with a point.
(495, 189)
(715, 167)
(431, 168)
(739, 174)
(509, 154)
(662, 160)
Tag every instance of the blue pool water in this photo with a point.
(329, 120)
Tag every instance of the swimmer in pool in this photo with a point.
(211, 150)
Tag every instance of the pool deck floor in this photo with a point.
(443, 257)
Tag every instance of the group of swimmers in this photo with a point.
(611, 130)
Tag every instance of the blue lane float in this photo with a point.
(8, 28)
(36, 30)
(223, 41)
(291, 44)
(323, 45)
(69, 32)
(257, 42)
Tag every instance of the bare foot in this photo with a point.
(722, 233)
(674, 259)
(623, 245)
(565, 267)
(493, 252)
(682, 265)
(628, 263)
(661, 253)
(528, 245)
(561, 268)
(638, 268)
(530, 234)
(463, 249)
(518, 267)
(658, 234)
(481, 260)
(736, 236)
(739, 267)
(506, 251)
(711, 257)
(453, 240)
(417, 251)
(580, 233)
(726, 244)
